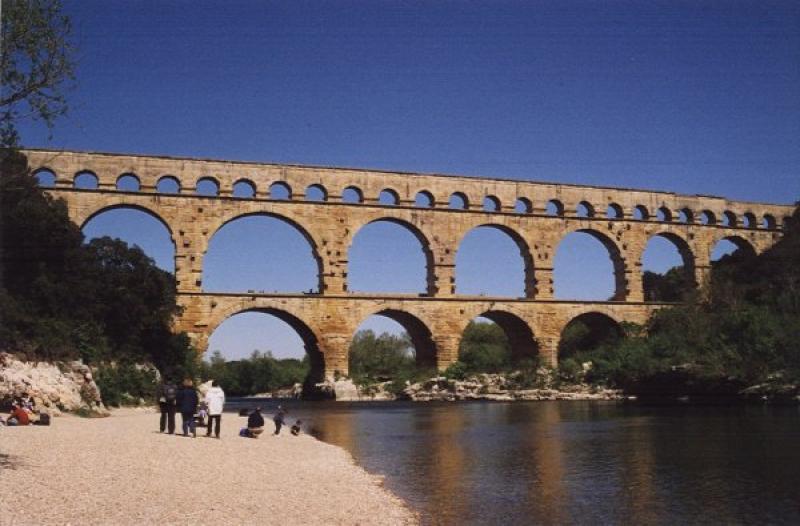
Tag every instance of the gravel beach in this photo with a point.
(120, 470)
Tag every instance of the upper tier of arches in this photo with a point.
(357, 187)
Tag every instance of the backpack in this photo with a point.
(44, 420)
(170, 393)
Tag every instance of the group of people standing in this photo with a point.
(186, 400)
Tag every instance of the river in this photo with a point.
(572, 462)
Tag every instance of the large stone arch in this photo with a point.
(286, 219)
(684, 249)
(524, 251)
(520, 334)
(614, 252)
(741, 243)
(306, 331)
(602, 325)
(417, 328)
(83, 220)
(430, 269)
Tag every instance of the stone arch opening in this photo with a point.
(555, 208)
(584, 209)
(523, 205)
(45, 177)
(86, 180)
(280, 191)
(352, 194)
(664, 214)
(128, 182)
(729, 219)
(244, 189)
(730, 245)
(614, 211)
(316, 192)
(391, 341)
(496, 341)
(588, 266)
(207, 186)
(137, 226)
(749, 220)
(685, 215)
(640, 213)
(458, 201)
(707, 217)
(390, 247)
(262, 253)
(168, 184)
(273, 330)
(487, 263)
(667, 265)
(491, 204)
(388, 197)
(424, 199)
(769, 222)
(585, 333)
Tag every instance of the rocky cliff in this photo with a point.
(55, 387)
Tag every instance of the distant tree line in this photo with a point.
(259, 373)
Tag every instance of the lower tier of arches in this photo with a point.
(435, 326)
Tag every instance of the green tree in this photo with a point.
(36, 64)
(379, 358)
(484, 348)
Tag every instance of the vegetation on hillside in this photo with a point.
(62, 299)
(743, 330)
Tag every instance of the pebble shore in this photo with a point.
(120, 470)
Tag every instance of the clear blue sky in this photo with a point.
(693, 97)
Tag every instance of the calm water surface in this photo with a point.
(573, 462)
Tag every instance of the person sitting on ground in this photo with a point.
(27, 403)
(278, 419)
(296, 427)
(255, 423)
(18, 416)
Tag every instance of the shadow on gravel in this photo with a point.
(8, 462)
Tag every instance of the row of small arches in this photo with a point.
(246, 189)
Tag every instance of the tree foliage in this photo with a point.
(745, 330)
(484, 348)
(260, 373)
(62, 299)
(383, 357)
(35, 64)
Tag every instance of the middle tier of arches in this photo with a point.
(193, 223)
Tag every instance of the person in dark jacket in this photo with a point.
(278, 419)
(167, 398)
(255, 423)
(187, 404)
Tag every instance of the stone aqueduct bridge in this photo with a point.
(622, 219)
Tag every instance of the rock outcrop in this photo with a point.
(497, 387)
(55, 387)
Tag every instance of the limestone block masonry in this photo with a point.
(536, 215)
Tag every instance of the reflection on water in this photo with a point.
(575, 462)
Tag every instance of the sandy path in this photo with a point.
(119, 470)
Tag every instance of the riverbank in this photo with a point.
(120, 470)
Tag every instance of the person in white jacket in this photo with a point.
(215, 401)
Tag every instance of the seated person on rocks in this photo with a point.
(255, 423)
(296, 427)
(18, 416)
